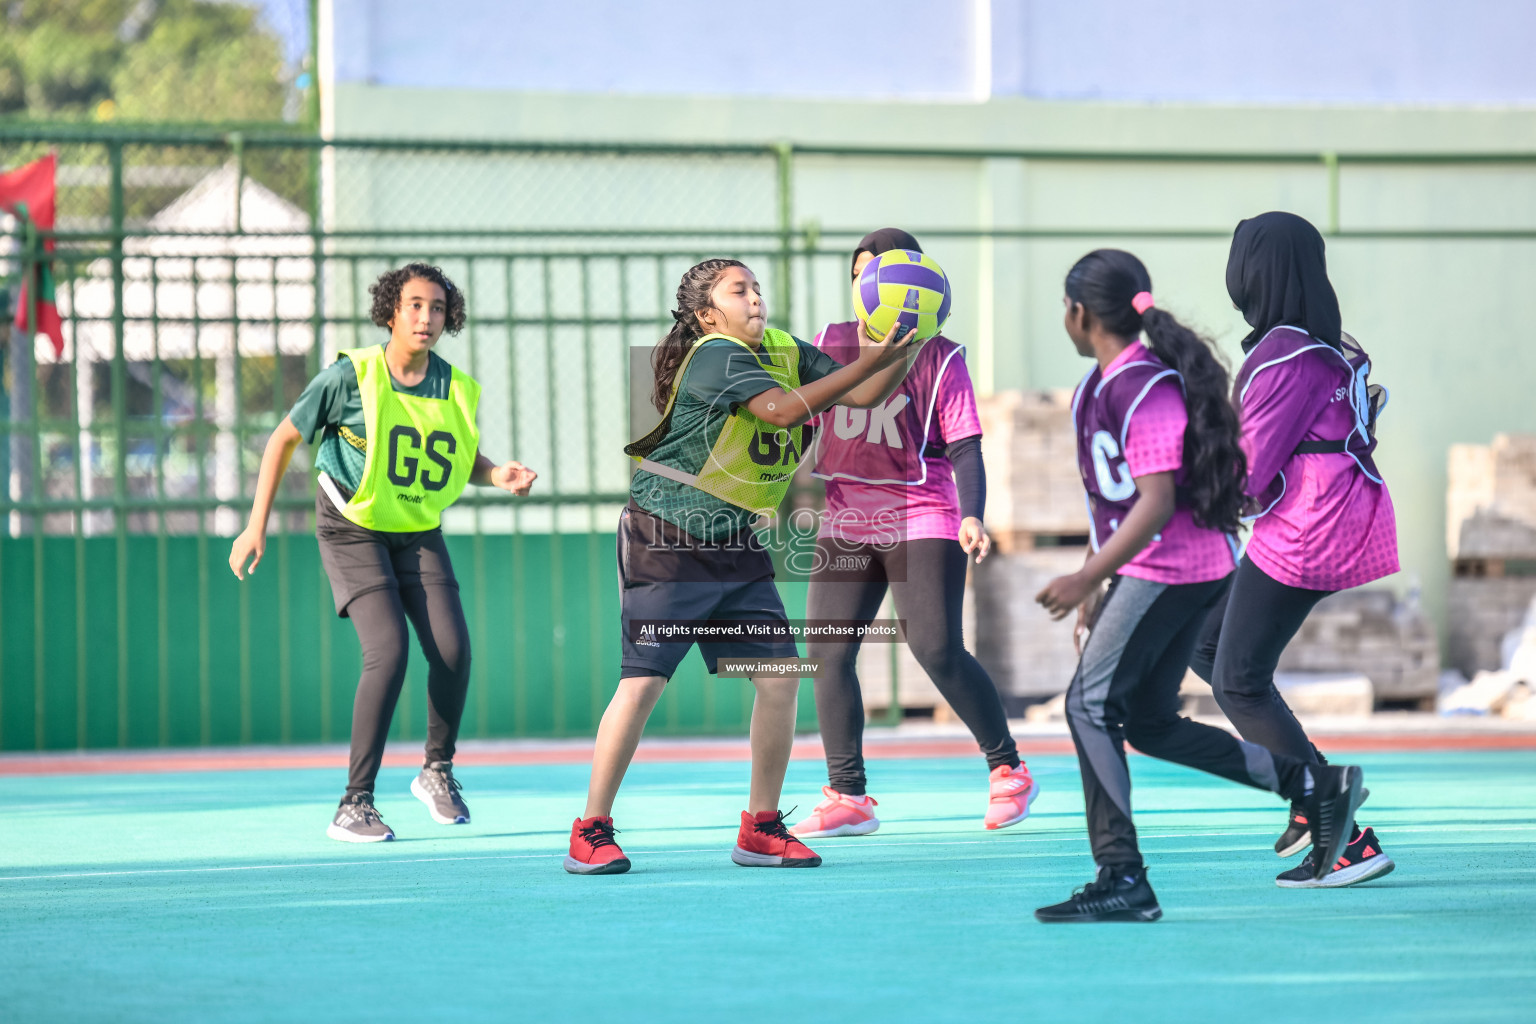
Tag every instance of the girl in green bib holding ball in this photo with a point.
(398, 444)
(735, 397)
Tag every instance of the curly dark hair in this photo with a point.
(386, 294)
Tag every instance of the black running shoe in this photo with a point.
(1116, 895)
(1298, 834)
(356, 821)
(1361, 861)
(1330, 810)
(439, 790)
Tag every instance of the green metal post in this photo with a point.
(1331, 164)
(120, 430)
(785, 154)
(237, 150)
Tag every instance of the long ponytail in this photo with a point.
(1107, 281)
(1215, 468)
(692, 296)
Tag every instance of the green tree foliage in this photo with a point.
(140, 60)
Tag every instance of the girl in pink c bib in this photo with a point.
(1158, 451)
(905, 496)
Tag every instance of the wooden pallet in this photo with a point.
(1493, 568)
(1010, 542)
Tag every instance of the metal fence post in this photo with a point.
(120, 429)
(783, 296)
(1331, 164)
(237, 151)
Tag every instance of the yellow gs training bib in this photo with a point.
(752, 461)
(420, 450)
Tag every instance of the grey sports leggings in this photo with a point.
(927, 580)
(1126, 688)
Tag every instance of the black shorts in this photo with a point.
(665, 573)
(359, 560)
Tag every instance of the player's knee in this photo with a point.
(939, 658)
(841, 657)
(452, 656)
(779, 689)
(387, 655)
(1148, 735)
(643, 691)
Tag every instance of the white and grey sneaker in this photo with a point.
(439, 790)
(356, 821)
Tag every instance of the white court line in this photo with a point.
(1020, 839)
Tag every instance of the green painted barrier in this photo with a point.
(193, 657)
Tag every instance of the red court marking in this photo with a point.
(664, 751)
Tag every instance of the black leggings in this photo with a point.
(1239, 647)
(380, 619)
(927, 580)
(1126, 688)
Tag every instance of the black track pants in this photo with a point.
(1239, 647)
(927, 581)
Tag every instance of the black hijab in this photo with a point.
(1276, 273)
(884, 240)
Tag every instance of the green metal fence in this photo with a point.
(204, 277)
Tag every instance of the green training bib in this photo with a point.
(752, 462)
(420, 451)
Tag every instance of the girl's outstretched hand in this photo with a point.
(248, 547)
(514, 477)
(973, 537)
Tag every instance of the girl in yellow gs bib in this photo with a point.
(398, 444)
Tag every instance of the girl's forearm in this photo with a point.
(274, 463)
(821, 395)
(855, 385)
(1145, 519)
(881, 386)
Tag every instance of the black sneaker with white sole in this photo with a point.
(1118, 894)
(357, 821)
(1330, 810)
(439, 790)
(1362, 860)
(1298, 834)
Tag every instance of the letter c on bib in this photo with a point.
(1113, 485)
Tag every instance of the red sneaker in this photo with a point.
(764, 842)
(594, 850)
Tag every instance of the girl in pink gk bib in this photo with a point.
(905, 496)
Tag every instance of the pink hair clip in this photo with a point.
(1141, 302)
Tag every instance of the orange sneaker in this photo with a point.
(839, 815)
(1012, 793)
(764, 842)
(594, 850)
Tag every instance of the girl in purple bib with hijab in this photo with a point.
(1324, 517)
(1157, 444)
(905, 496)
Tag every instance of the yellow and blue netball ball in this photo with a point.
(902, 287)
